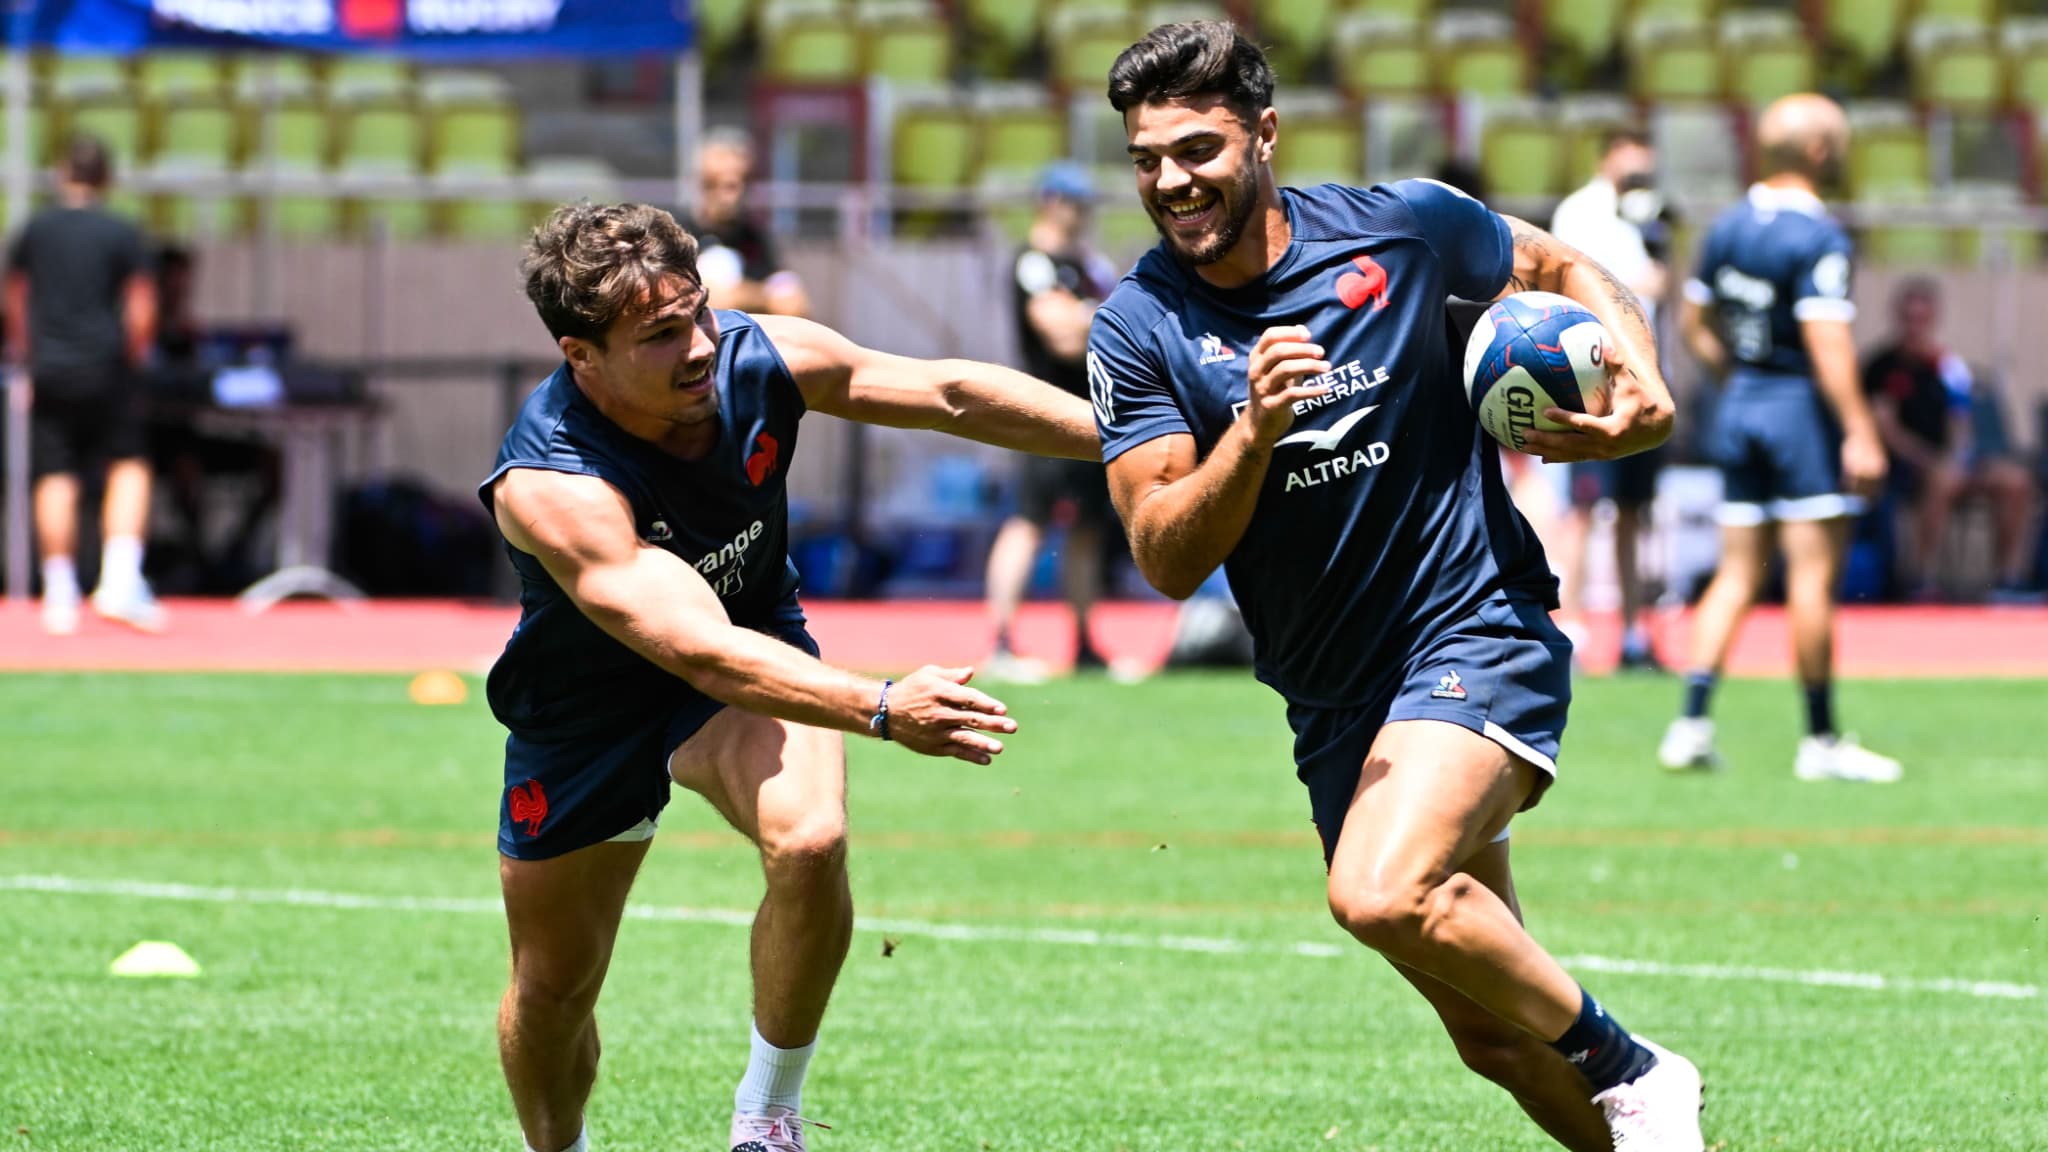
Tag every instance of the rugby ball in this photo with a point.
(1530, 352)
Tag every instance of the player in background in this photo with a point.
(1056, 282)
(1797, 445)
(641, 493)
(1332, 464)
(1596, 220)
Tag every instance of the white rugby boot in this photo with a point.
(778, 1130)
(1658, 1111)
(1842, 758)
(1688, 743)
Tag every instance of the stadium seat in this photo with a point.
(1018, 140)
(1326, 148)
(2030, 80)
(1484, 68)
(1378, 55)
(475, 141)
(720, 24)
(301, 138)
(1412, 11)
(282, 76)
(1994, 246)
(1679, 62)
(396, 217)
(915, 51)
(119, 126)
(445, 86)
(307, 217)
(814, 50)
(1000, 33)
(1864, 33)
(488, 219)
(381, 142)
(555, 180)
(1084, 43)
(369, 80)
(1524, 156)
(934, 146)
(1690, 11)
(74, 76)
(1578, 35)
(1758, 73)
(198, 139)
(1961, 75)
(1889, 164)
(1978, 12)
(171, 76)
(1295, 33)
(38, 136)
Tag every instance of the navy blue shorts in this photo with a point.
(1503, 672)
(1630, 481)
(1780, 454)
(561, 795)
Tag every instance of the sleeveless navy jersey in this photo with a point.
(1383, 517)
(1767, 264)
(726, 515)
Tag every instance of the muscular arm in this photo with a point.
(1697, 325)
(1184, 517)
(1642, 409)
(581, 530)
(965, 398)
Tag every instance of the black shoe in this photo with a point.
(1087, 659)
(1642, 660)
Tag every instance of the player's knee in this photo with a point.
(554, 987)
(1390, 919)
(810, 849)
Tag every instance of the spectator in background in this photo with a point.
(1056, 282)
(1946, 433)
(82, 308)
(739, 261)
(1605, 220)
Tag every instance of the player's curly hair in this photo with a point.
(1198, 58)
(587, 263)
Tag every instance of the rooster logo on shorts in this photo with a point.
(529, 805)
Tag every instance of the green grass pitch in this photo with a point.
(1114, 938)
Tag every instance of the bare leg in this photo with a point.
(56, 515)
(1730, 596)
(564, 917)
(1081, 574)
(1628, 526)
(126, 510)
(783, 786)
(1940, 489)
(1431, 795)
(2011, 492)
(1009, 570)
(1543, 1083)
(1813, 565)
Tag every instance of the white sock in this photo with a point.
(582, 1143)
(60, 578)
(774, 1079)
(121, 563)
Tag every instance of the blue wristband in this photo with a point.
(879, 722)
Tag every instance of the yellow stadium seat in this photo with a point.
(910, 51)
(1484, 68)
(301, 138)
(283, 76)
(1961, 76)
(487, 219)
(307, 217)
(1677, 68)
(1000, 32)
(1524, 156)
(1414, 11)
(1760, 73)
(175, 76)
(1890, 162)
(814, 50)
(1381, 56)
(935, 146)
(118, 126)
(399, 218)
(1324, 149)
(1295, 32)
(1084, 45)
(198, 138)
(720, 23)
(1696, 11)
(1018, 143)
(482, 140)
(1583, 32)
(1979, 12)
(2030, 79)
(369, 80)
(73, 76)
(382, 142)
(1866, 32)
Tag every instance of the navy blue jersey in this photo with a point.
(1768, 263)
(1383, 517)
(726, 515)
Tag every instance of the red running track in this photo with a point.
(412, 636)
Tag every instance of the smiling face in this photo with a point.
(1200, 170)
(652, 373)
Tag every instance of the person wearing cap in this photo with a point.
(1056, 281)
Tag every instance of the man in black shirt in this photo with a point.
(1944, 430)
(82, 310)
(1055, 283)
(737, 257)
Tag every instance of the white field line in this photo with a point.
(969, 933)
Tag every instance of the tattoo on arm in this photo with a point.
(1531, 244)
(1539, 249)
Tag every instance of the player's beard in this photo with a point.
(1239, 198)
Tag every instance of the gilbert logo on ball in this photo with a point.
(1530, 352)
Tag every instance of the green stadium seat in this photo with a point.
(1018, 143)
(1375, 55)
(177, 76)
(307, 217)
(1413, 11)
(1320, 149)
(191, 217)
(1890, 164)
(197, 138)
(469, 86)
(910, 51)
(814, 50)
(288, 77)
(119, 126)
(1692, 11)
(1961, 76)
(381, 142)
(1677, 68)
(1866, 33)
(1977, 12)
(1000, 33)
(488, 219)
(301, 138)
(1295, 32)
(1484, 68)
(935, 146)
(1524, 156)
(73, 77)
(1580, 33)
(1085, 44)
(2030, 79)
(39, 139)
(1761, 72)
(398, 218)
(720, 24)
(369, 80)
(482, 140)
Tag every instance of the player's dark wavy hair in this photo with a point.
(587, 263)
(1198, 58)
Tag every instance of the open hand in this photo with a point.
(933, 712)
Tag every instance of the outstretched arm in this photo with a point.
(965, 398)
(1640, 413)
(647, 598)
